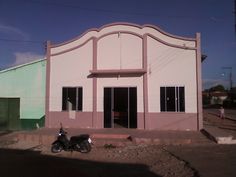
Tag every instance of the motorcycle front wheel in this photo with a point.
(85, 147)
(56, 148)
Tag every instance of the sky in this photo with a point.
(26, 25)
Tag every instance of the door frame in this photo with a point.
(108, 106)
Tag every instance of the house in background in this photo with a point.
(125, 76)
(218, 97)
(22, 96)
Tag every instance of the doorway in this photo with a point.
(120, 107)
(9, 113)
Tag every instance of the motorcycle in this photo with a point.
(81, 143)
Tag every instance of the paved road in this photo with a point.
(24, 163)
(229, 113)
(209, 160)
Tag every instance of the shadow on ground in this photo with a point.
(28, 163)
(2, 133)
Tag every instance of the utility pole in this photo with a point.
(235, 17)
(230, 83)
(230, 76)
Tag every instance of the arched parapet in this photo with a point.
(127, 28)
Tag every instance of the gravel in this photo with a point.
(130, 160)
(158, 160)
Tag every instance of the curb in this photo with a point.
(100, 140)
(218, 136)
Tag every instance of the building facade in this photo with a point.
(22, 96)
(126, 76)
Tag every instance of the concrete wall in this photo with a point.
(26, 82)
(120, 51)
(124, 55)
(170, 66)
(68, 70)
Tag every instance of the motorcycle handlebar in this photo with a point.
(62, 131)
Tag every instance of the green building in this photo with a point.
(22, 96)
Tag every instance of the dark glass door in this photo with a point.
(120, 107)
(107, 105)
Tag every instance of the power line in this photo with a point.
(124, 12)
(88, 9)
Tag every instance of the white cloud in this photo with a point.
(10, 30)
(26, 57)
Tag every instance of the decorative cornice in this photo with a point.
(126, 24)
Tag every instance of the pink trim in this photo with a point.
(140, 121)
(48, 68)
(124, 32)
(107, 34)
(118, 71)
(121, 32)
(73, 48)
(168, 34)
(171, 45)
(160, 121)
(82, 119)
(95, 53)
(127, 24)
(145, 83)
(199, 82)
(94, 122)
(173, 121)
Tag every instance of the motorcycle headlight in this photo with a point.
(89, 140)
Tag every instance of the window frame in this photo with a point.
(172, 99)
(77, 98)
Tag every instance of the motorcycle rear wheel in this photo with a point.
(56, 148)
(85, 147)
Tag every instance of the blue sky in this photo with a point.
(25, 26)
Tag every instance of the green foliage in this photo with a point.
(217, 88)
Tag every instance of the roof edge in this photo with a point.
(122, 23)
(22, 65)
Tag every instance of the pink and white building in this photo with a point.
(127, 76)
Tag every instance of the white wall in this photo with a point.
(120, 51)
(168, 66)
(71, 69)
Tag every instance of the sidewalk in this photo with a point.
(229, 113)
(115, 137)
(119, 137)
(220, 131)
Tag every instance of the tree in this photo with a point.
(217, 88)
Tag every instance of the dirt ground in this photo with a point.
(133, 160)
(19, 159)
(157, 159)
